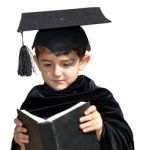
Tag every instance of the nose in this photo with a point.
(57, 71)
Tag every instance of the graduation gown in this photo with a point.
(44, 102)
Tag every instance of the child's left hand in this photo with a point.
(92, 121)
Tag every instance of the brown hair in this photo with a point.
(79, 51)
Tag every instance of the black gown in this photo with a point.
(44, 102)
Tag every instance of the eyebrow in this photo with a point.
(46, 60)
(72, 59)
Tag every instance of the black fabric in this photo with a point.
(116, 134)
(61, 18)
(59, 41)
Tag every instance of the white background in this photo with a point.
(117, 59)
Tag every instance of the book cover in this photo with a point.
(60, 131)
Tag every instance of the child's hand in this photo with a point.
(20, 136)
(92, 121)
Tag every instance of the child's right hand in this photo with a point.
(20, 136)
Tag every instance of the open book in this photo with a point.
(60, 131)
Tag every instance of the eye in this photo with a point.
(67, 64)
(47, 65)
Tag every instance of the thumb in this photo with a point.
(17, 122)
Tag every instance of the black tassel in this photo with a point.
(25, 66)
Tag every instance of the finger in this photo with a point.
(87, 124)
(21, 141)
(91, 109)
(96, 122)
(88, 117)
(21, 136)
(17, 122)
(20, 129)
(91, 125)
(89, 128)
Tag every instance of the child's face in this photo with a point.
(60, 71)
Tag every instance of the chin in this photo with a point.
(59, 88)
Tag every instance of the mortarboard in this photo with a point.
(58, 30)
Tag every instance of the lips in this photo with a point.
(57, 81)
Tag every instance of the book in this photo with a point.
(60, 131)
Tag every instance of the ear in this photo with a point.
(84, 61)
(36, 61)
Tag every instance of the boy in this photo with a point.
(60, 55)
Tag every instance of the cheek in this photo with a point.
(72, 72)
(45, 74)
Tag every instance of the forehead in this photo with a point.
(47, 54)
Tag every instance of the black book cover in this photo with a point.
(62, 133)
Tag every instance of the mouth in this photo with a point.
(58, 81)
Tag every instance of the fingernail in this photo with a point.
(27, 141)
(81, 119)
(20, 124)
(85, 112)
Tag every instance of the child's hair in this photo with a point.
(79, 51)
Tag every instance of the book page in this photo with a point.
(36, 118)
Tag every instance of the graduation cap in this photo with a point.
(58, 30)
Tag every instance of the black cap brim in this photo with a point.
(61, 18)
